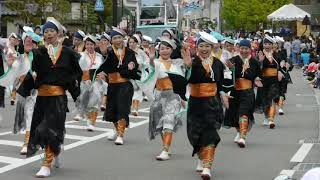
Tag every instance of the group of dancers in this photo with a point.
(207, 88)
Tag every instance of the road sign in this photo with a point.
(99, 6)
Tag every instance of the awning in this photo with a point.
(288, 12)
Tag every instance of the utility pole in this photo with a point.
(114, 13)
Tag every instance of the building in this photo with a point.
(208, 10)
(313, 8)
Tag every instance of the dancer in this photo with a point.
(205, 112)
(57, 70)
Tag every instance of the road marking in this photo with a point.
(15, 163)
(11, 143)
(5, 133)
(135, 124)
(90, 139)
(301, 153)
(85, 128)
(9, 160)
(288, 173)
(75, 137)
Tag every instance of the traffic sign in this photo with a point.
(99, 6)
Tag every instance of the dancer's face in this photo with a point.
(50, 35)
(90, 46)
(244, 51)
(204, 50)
(165, 51)
(117, 41)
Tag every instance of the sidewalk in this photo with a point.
(312, 160)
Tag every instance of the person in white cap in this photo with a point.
(268, 95)
(57, 70)
(241, 107)
(103, 49)
(10, 46)
(205, 111)
(120, 66)
(78, 44)
(25, 93)
(92, 89)
(143, 61)
(12, 68)
(280, 53)
(166, 74)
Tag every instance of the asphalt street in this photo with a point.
(90, 156)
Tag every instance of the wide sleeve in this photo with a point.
(135, 73)
(74, 84)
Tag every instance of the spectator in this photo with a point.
(305, 56)
(296, 50)
(287, 46)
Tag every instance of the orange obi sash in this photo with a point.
(85, 75)
(49, 90)
(164, 84)
(243, 84)
(270, 72)
(203, 89)
(116, 78)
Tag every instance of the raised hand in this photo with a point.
(186, 55)
(152, 53)
(261, 56)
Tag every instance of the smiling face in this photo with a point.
(90, 46)
(267, 46)
(244, 51)
(165, 51)
(117, 41)
(103, 43)
(229, 46)
(132, 44)
(50, 35)
(28, 45)
(204, 50)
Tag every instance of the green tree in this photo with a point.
(249, 13)
(32, 11)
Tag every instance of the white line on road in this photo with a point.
(85, 127)
(75, 137)
(5, 133)
(301, 153)
(132, 125)
(21, 162)
(11, 143)
(289, 173)
(9, 160)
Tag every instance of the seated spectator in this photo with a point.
(305, 56)
(312, 68)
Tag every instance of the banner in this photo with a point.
(191, 6)
(99, 6)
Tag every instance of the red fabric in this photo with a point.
(312, 67)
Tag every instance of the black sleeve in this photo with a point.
(219, 75)
(74, 85)
(134, 73)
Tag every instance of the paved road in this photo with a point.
(90, 156)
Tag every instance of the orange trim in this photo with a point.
(243, 84)
(48, 90)
(49, 157)
(203, 89)
(207, 155)
(272, 112)
(122, 124)
(123, 53)
(164, 84)
(270, 72)
(116, 78)
(167, 140)
(85, 75)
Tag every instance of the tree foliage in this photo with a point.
(248, 14)
(32, 11)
